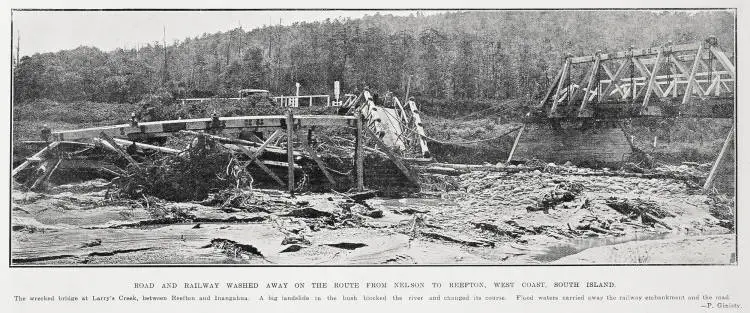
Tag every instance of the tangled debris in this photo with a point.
(205, 167)
(650, 212)
(563, 192)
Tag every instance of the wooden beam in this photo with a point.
(565, 70)
(47, 171)
(123, 143)
(119, 151)
(691, 77)
(290, 149)
(275, 135)
(393, 157)
(359, 154)
(646, 78)
(614, 78)
(281, 164)
(515, 144)
(90, 164)
(257, 162)
(725, 62)
(651, 81)
(420, 129)
(594, 70)
(552, 87)
(715, 167)
(318, 161)
(228, 123)
(635, 53)
(38, 155)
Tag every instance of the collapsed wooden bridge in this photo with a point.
(366, 121)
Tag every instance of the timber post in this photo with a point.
(290, 150)
(715, 167)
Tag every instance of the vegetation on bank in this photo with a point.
(453, 57)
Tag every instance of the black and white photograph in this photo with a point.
(372, 137)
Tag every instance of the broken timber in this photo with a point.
(119, 138)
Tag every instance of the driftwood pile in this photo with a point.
(205, 167)
(648, 211)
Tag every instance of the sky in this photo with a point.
(52, 31)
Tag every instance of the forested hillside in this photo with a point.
(475, 55)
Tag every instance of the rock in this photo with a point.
(376, 214)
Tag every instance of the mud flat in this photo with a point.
(717, 249)
(522, 217)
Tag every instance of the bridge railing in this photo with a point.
(309, 100)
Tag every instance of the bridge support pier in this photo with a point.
(585, 145)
